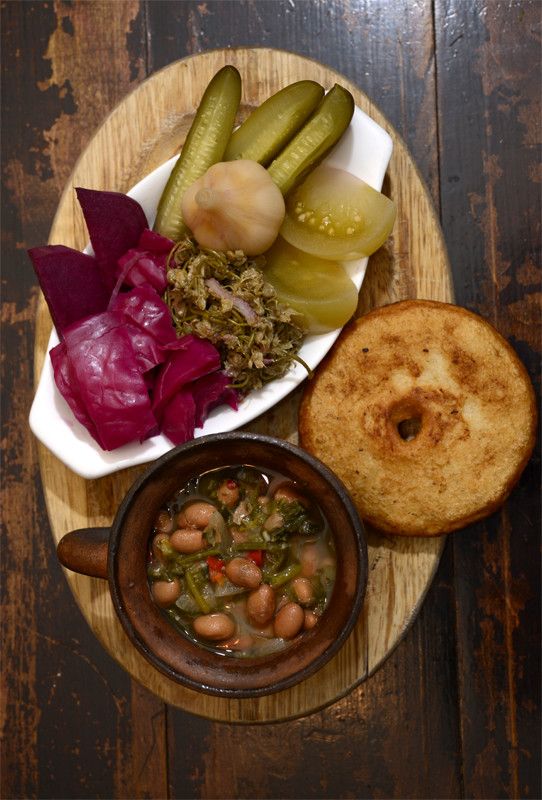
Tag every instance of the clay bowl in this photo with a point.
(119, 554)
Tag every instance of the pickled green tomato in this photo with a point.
(335, 215)
(320, 290)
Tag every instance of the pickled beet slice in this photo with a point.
(115, 222)
(71, 282)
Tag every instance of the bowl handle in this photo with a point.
(85, 551)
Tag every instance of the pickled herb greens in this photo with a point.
(224, 297)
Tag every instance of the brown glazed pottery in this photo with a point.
(120, 555)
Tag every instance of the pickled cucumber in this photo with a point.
(335, 215)
(204, 146)
(315, 139)
(270, 127)
(320, 291)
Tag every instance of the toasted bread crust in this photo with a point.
(443, 369)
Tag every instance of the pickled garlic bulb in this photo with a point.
(234, 206)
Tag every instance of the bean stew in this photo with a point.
(241, 561)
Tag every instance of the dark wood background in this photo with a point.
(455, 711)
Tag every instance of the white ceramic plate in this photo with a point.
(365, 151)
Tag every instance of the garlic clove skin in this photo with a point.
(235, 205)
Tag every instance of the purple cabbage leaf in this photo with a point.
(109, 380)
(146, 309)
(178, 419)
(211, 391)
(192, 358)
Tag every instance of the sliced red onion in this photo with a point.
(217, 290)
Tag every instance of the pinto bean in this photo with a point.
(165, 593)
(228, 493)
(164, 522)
(261, 605)
(195, 515)
(274, 521)
(310, 620)
(187, 540)
(310, 560)
(239, 536)
(289, 621)
(243, 572)
(303, 590)
(214, 627)
(289, 494)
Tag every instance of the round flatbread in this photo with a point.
(426, 414)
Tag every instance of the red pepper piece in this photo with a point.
(216, 567)
(256, 556)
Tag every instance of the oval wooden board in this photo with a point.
(147, 128)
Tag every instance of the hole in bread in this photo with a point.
(408, 429)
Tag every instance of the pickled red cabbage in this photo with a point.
(138, 267)
(120, 366)
(211, 391)
(190, 358)
(178, 419)
(145, 308)
(190, 405)
(103, 371)
(108, 381)
(69, 388)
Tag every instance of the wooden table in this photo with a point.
(454, 712)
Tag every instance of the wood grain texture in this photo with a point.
(496, 190)
(68, 711)
(141, 132)
(455, 711)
